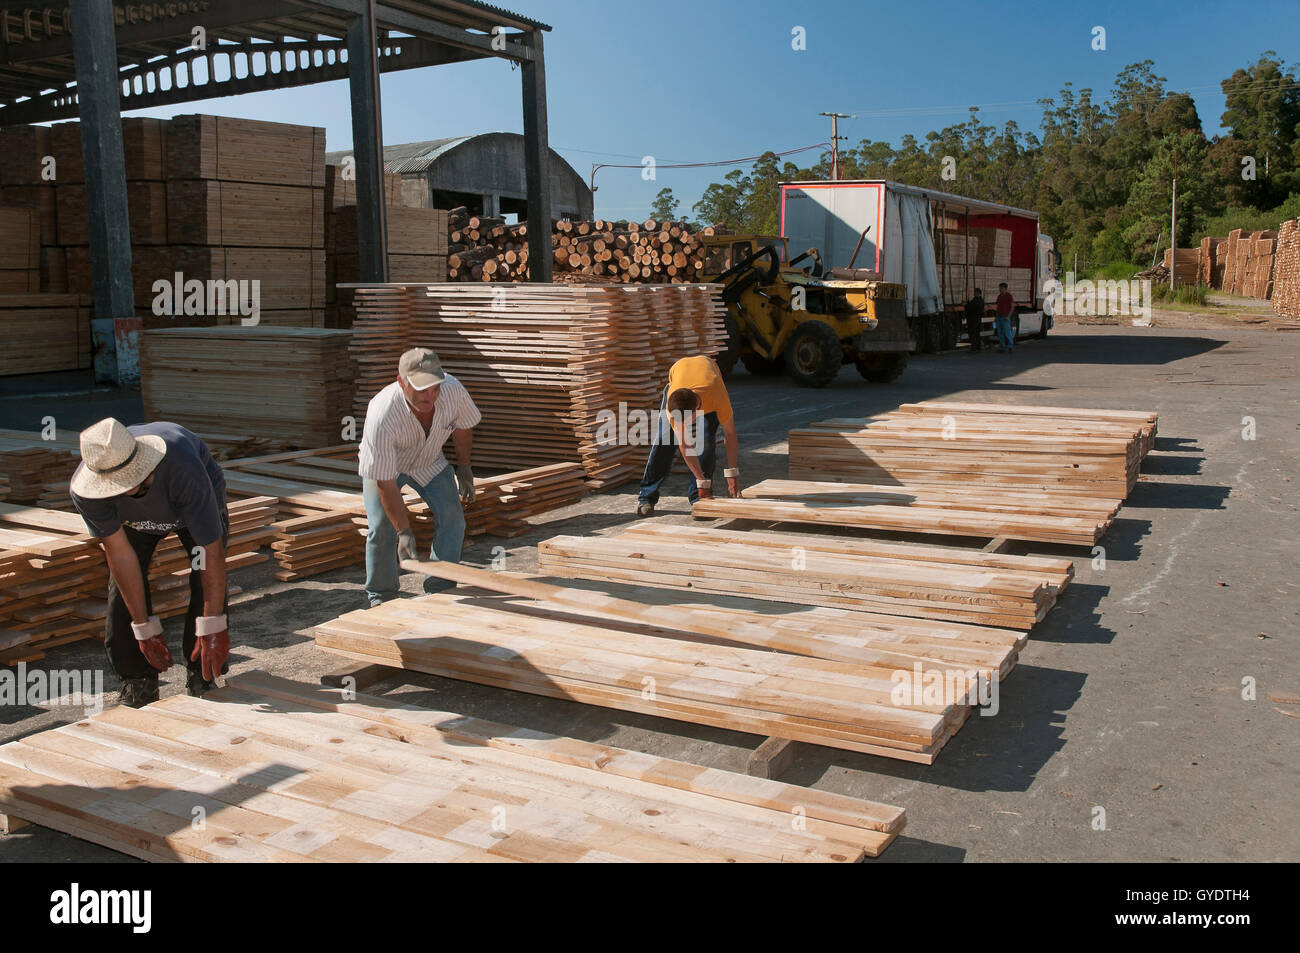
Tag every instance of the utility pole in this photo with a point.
(835, 141)
(1173, 232)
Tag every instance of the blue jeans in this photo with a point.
(382, 569)
(1005, 338)
(664, 450)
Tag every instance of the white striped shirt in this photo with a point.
(394, 444)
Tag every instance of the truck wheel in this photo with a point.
(881, 368)
(730, 352)
(1042, 328)
(814, 355)
(949, 335)
(759, 366)
(927, 335)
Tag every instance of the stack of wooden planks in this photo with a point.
(291, 385)
(551, 367)
(30, 463)
(651, 252)
(923, 582)
(1286, 293)
(322, 523)
(53, 579)
(20, 250)
(651, 665)
(940, 510)
(44, 332)
(1094, 453)
(365, 779)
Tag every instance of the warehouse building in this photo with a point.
(484, 173)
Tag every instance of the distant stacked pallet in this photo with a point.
(553, 651)
(923, 582)
(1079, 452)
(365, 779)
(53, 580)
(292, 385)
(940, 510)
(30, 463)
(322, 523)
(557, 363)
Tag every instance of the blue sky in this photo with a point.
(708, 80)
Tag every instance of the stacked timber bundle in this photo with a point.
(292, 385)
(549, 366)
(29, 463)
(53, 579)
(20, 251)
(1086, 453)
(44, 332)
(322, 519)
(922, 582)
(651, 252)
(1189, 264)
(421, 783)
(1286, 291)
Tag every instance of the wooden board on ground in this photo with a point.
(355, 778)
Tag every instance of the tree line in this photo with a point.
(1098, 173)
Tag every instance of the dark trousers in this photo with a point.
(119, 639)
(664, 450)
(974, 330)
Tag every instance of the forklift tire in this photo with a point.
(759, 366)
(814, 355)
(881, 368)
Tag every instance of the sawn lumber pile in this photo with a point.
(31, 463)
(1092, 453)
(290, 385)
(364, 779)
(651, 661)
(939, 510)
(651, 252)
(1286, 271)
(923, 582)
(53, 579)
(549, 366)
(322, 518)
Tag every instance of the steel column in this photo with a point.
(537, 153)
(368, 146)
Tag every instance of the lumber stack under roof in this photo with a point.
(923, 582)
(547, 365)
(30, 463)
(366, 779)
(322, 517)
(53, 578)
(939, 510)
(292, 385)
(1047, 449)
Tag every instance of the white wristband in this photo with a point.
(704, 484)
(144, 631)
(731, 473)
(209, 625)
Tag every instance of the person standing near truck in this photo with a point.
(975, 321)
(1006, 306)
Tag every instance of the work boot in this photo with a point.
(645, 509)
(138, 692)
(196, 686)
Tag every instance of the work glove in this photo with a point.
(213, 645)
(733, 482)
(706, 489)
(149, 636)
(465, 479)
(406, 545)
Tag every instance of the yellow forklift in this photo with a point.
(800, 320)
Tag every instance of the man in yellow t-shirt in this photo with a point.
(695, 405)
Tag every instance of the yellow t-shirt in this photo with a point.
(701, 375)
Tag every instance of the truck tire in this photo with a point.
(881, 368)
(759, 366)
(949, 332)
(1042, 328)
(730, 353)
(927, 334)
(814, 355)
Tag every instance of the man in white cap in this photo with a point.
(407, 426)
(136, 486)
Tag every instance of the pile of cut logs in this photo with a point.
(650, 252)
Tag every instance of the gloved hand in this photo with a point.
(706, 489)
(213, 645)
(406, 545)
(733, 487)
(465, 479)
(149, 636)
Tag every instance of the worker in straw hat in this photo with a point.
(407, 425)
(135, 487)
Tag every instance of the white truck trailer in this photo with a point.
(941, 246)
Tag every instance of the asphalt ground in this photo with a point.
(1133, 696)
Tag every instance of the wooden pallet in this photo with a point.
(938, 510)
(923, 582)
(290, 773)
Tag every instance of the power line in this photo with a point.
(703, 165)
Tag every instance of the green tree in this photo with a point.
(1263, 112)
(664, 207)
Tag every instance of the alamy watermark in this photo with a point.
(212, 298)
(1099, 298)
(932, 687)
(641, 428)
(36, 687)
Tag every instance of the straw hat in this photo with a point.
(114, 461)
